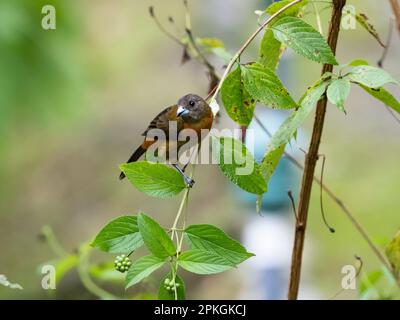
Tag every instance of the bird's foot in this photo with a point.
(189, 181)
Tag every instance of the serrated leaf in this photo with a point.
(270, 162)
(154, 179)
(393, 253)
(371, 77)
(338, 91)
(303, 39)
(237, 164)
(121, 235)
(142, 268)
(263, 85)
(270, 50)
(385, 96)
(203, 262)
(237, 101)
(210, 238)
(362, 19)
(289, 127)
(164, 294)
(155, 237)
(292, 11)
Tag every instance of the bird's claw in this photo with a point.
(189, 182)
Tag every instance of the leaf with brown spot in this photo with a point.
(362, 19)
(237, 101)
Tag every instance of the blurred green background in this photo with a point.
(74, 101)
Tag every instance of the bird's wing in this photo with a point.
(161, 121)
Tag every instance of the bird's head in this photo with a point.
(191, 108)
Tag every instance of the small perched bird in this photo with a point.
(191, 112)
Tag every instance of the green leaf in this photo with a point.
(121, 235)
(369, 280)
(393, 253)
(142, 268)
(270, 162)
(105, 272)
(238, 103)
(210, 42)
(270, 50)
(237, 164)
(371, 77)
(358, 62)
(303, 39)
(385, 96)
(164, 294)
(362, 19)
(292, 11)
(203, 262)
(263, 85)
(338, 91)
(222, 53)
(289, 127)
(210, 238)
(155, 237)
(154, 179)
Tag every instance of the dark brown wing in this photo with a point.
(161, 121)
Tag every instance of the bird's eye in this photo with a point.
(191, 103)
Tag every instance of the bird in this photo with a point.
(191, 112)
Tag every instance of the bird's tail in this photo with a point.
(134, 157)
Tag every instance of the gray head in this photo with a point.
(191, 107)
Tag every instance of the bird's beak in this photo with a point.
(181, 111)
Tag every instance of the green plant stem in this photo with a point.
(83, 272)
(53, 243)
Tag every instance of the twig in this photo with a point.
(161, 27)
(396, 11)
(387, 45)
(332, 230)
(48, 234)
(361, 264)
(290, 195)
(311, 159)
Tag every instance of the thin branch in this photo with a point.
(332, 230)
(290, 195)
(396, 11)
(161, 27)
(360, 267)
(311, 159)
(393, 114)
(202, 59)
(387, 45)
